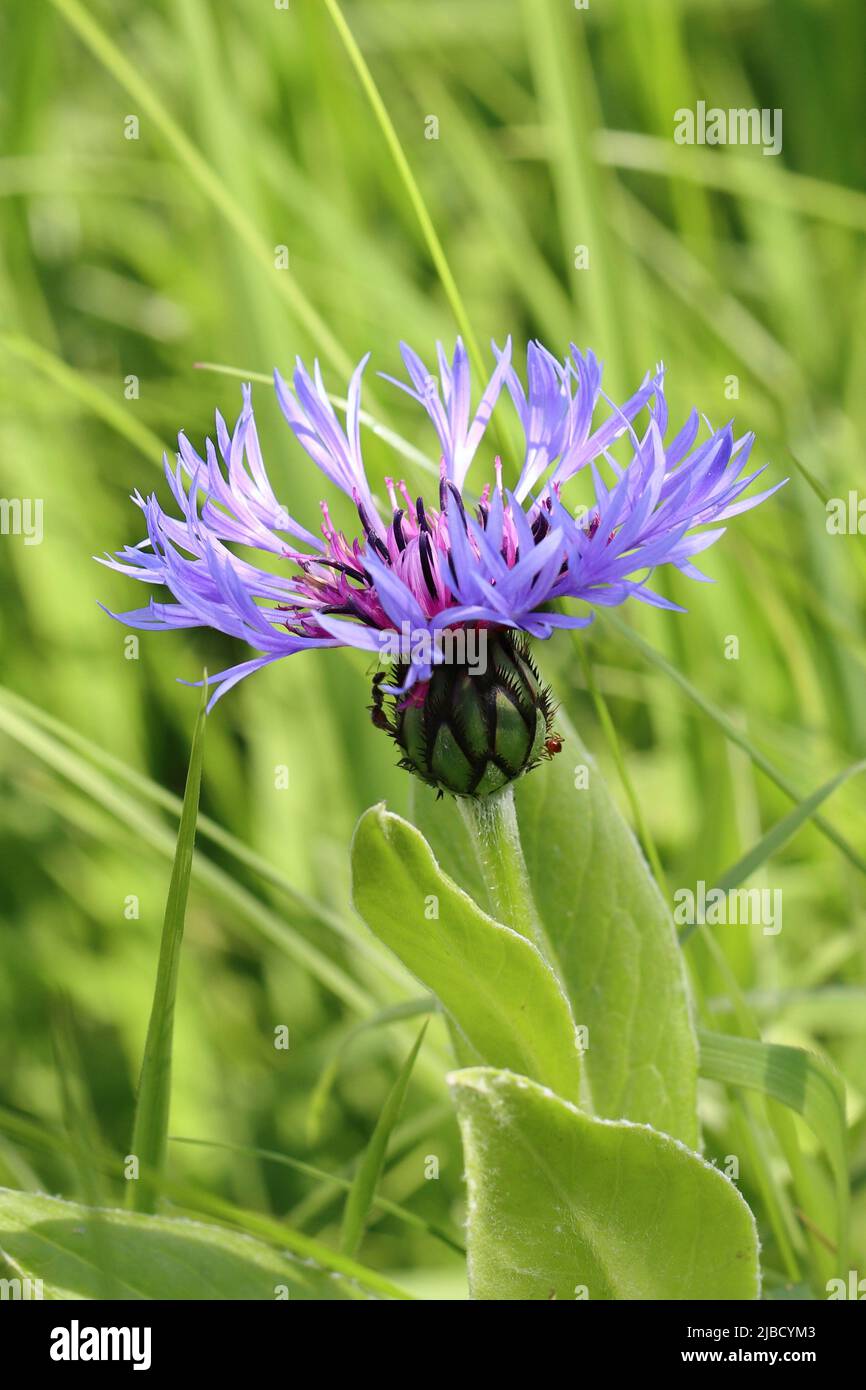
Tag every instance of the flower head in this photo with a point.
(419, 570)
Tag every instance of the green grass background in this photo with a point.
(144, 257)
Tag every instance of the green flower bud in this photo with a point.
(469, 730)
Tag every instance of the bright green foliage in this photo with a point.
(504, 1000)
(565, 1206)
(125, 261)
(79, 1252)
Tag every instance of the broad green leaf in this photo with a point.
(363, 1189)
(611, 934)
(313, 1252)
(497, 988)
(144, 1257)
(563, 1205)
(615, 945)
(797, 1079)
(150, 1130)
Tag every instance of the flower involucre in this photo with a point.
(419, 572)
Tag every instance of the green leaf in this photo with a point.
(801, 1081)
(446, 833)
(150, 1131)
(563, 1205)
(614, 942)
(496, 986)
(314, 1253)
(611, 935)
(363, 1189)
(145, 1257)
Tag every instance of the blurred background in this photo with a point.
(185, 183)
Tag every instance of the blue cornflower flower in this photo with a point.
(421, 573)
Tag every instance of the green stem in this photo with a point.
(492, 824)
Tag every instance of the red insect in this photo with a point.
(553, 745)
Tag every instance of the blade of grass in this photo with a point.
(242, 902)
(79, 1120)
(802, 1082)
(824, 496)
(207, 829)
(475, 164)
(36, 1134)
(648, 154)
(87, 395)
(215, 189)
(776, 1114)
(366, 1180)
(410, 1218)
(733, 734)
(150, 1127)
(779, 834)
(727, 317)
(321, 1093)
(404, 169)
(407, 1134)
(820, 492)
(749, 1135)
(564, 82)
(834, 1009)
